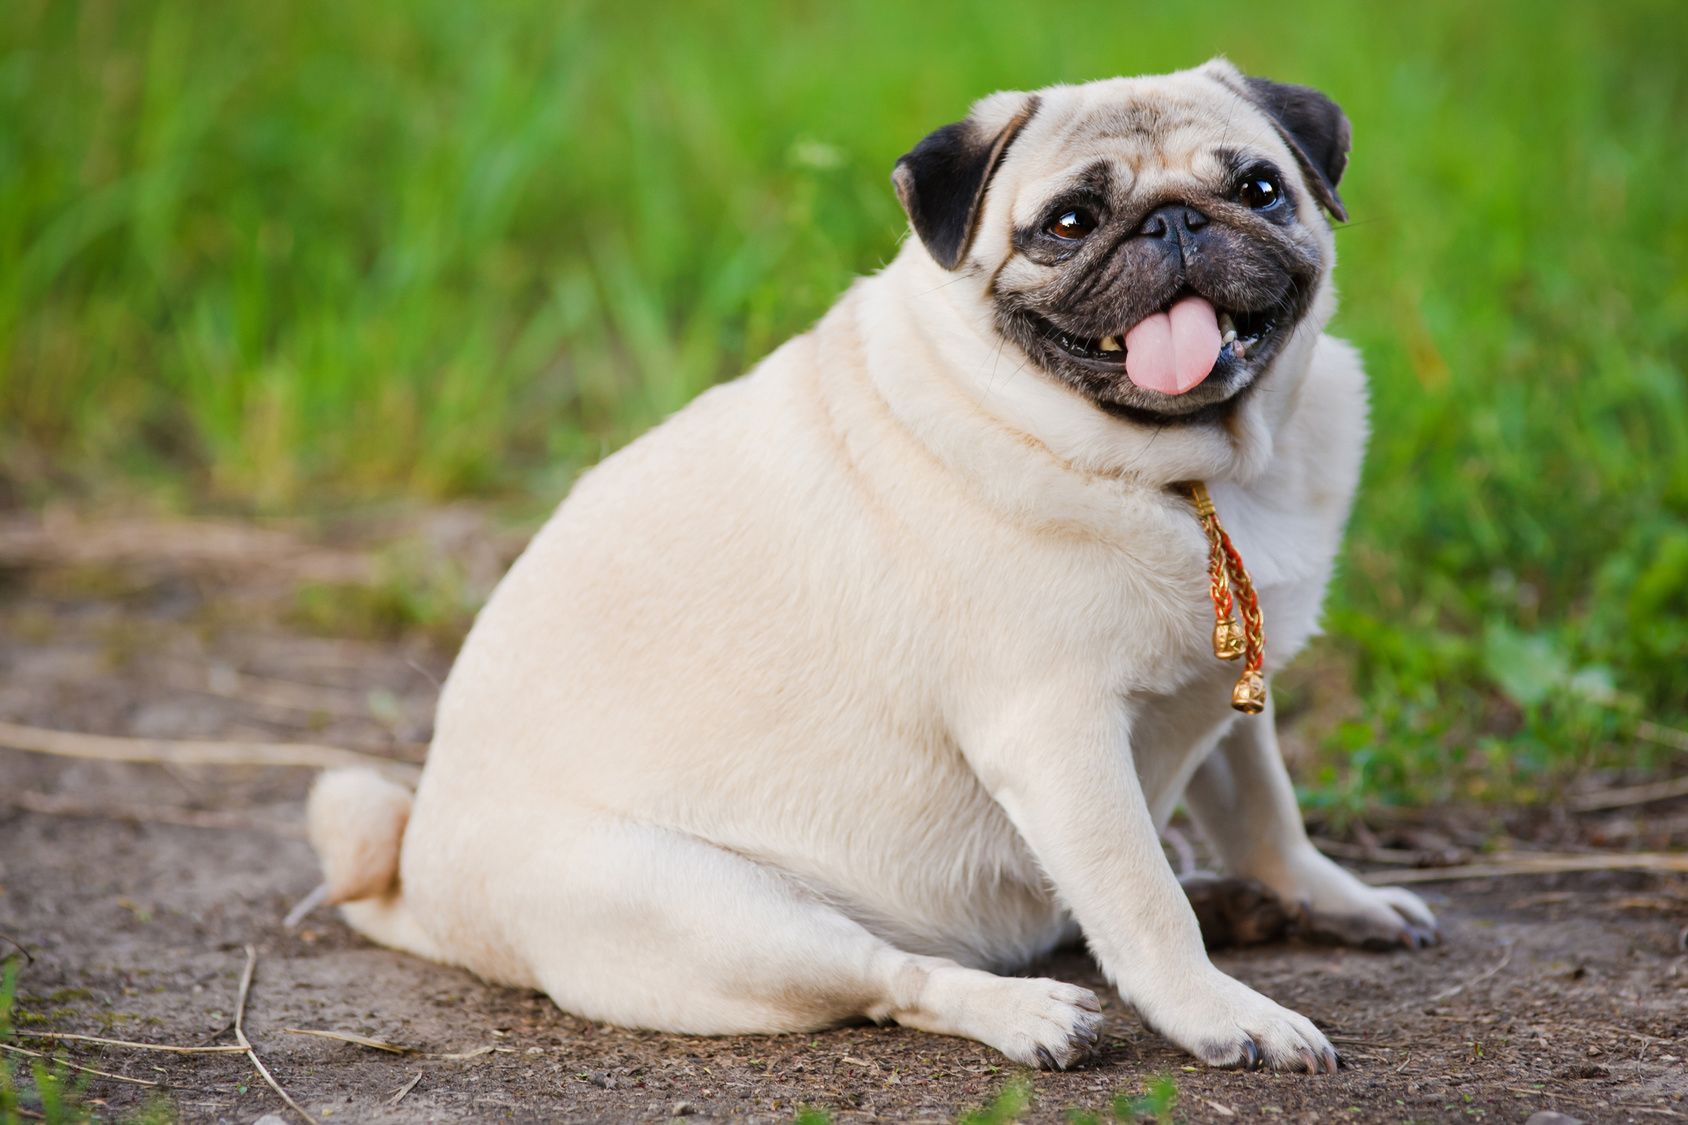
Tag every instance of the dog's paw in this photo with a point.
(1386, 918)
(1332, 905)
(1045, 1023)
(1225, 1023)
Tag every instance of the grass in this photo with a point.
(51, 1090)
(31, 1088)
(274, 258)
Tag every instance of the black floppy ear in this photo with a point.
(1317, 132)
(942, 180)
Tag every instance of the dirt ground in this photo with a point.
(135, 888)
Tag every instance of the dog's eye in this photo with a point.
(1259, 191)
(1073, 225)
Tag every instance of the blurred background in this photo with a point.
(306, 264)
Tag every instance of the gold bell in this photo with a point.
(1249, 696)
(1227, 639)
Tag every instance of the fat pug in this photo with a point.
(871, 676)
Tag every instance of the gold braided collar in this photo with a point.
(1233, 593)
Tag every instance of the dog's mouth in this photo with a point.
(1174, 350)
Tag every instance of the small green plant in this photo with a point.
(1010, 1102)
(1156, 1103)
(54, 1091)
(411, 592)
(60, 1095)
(9, 1101)
(810, 1115)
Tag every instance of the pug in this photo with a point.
(870, 677)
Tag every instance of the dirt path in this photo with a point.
(135, 888)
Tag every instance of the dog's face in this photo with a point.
(1151, 242)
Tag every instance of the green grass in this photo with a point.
(279, 257)
(1010, 1102)
(51, 1089)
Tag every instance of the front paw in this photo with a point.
(1390, 918)
(1048, 1024)
(1333, 905)
(1225, 1023)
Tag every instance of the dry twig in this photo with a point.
(164, 751)
(302, 909)
(222, 1049)
(353, 1037)
(76, 1066)
(1663, 736)
(1504, 864)
(179, 544)
(1632, 795)
(1505, 959)
(21, 948)
(403, 1090)
(1338, 849)
(1362, 1041)
(48, 804)
(240, 1037)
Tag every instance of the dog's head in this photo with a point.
(1151, 242)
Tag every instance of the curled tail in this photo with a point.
(356, 820)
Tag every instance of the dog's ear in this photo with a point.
(942, 180)
(1316, 131)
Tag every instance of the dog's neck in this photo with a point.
(971, 397)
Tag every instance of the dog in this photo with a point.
(871, 676)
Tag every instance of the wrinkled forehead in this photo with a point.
(1146, 136)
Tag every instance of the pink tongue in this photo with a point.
(1171, 352)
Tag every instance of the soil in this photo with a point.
(135, 888)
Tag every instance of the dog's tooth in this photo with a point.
(1109, 344)
(1226, 325)
(1230, 334)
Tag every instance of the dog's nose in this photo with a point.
(1172, 221)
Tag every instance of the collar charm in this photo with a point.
(1237, 628)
